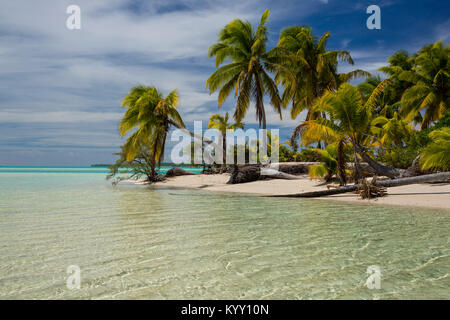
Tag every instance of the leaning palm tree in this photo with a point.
(347, 119)
(310, 69)
(248, 74)
(429, 97)
(222, 124)
(151, 115)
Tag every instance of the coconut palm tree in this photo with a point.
(310, 69)
(151, 114)
(347, 118)
(388, 102)
(391, 132)
(328, 166)
(429, 97)
(222, 124)
(436, 154)
(398, 63)
(248, 73)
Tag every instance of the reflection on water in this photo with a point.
(146, 243)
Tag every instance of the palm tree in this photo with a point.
(398, 63)
(248, 74)
(347, 119)
(388, 103)
(222, 124)
(436, 154)
(429, 97)
(390, 132)
(151, 115)
(310, 69)
(328, 166)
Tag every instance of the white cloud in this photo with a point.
(57, 117)
(55, 77)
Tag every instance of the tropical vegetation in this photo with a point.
(396, 122)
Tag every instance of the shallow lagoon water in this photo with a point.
(137, 242)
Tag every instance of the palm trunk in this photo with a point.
(259, 99)
(224, 150)
(341, 163)
(435, 177)
(380, 169)
(357, 169)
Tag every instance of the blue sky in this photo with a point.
(60, 89)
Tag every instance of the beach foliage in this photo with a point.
(142, 165)
(436, 155)
(150, 115)
(429, 96)
(347, 119)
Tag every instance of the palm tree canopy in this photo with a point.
(429, 97)
(150, 114)
(222, 124)
(347, 116)
(437, 153)
(310, 69)
(248, 72)
(391, 132)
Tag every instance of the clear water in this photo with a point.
(137, 242)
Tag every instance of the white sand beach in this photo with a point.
(418, 195)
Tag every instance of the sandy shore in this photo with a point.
(418, 195)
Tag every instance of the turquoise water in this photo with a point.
(43, 169)
(140, 242)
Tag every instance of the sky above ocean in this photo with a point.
(61, 89)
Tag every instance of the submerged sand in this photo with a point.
(435, 195)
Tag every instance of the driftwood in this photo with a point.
(435, 177)
(369, 190)
(176, 171)
(292, 167)
(249, 173)
(275, 174)
(302, 167)
(242, 174)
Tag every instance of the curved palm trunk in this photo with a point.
(380, 169)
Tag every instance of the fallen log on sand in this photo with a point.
(249, 173)
(275, 174)
(176, 171)
(435, 177)
(242, 174)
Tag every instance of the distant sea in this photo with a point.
(96, 169)
(147, 242)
